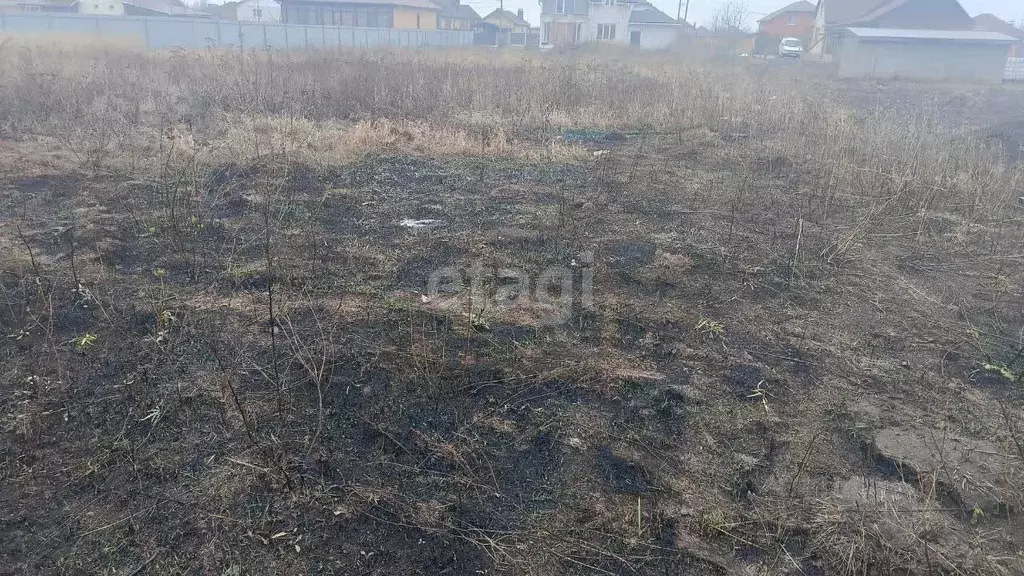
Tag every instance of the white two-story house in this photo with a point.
(636, 22)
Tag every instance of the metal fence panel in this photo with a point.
(174, 33)
(251, 36)
(138, 27)
(166, 32)
(276, 35)
(72, 25)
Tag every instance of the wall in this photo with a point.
(655, 36)
(579, 7)
(817, 46)
(406, 18)
(922, 60)
(780, 28)
(270, 11)
(108, 7)
(160, 32)
(602, 14)
(455, 24)
(562, 31)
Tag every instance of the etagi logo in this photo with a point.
(549, 295)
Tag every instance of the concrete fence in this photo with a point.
(1014, 69)
(166, 32)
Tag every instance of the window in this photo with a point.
(609, 2)
(361, 17)
(257, 14)
(792, 20)
(606, 31)
(371, 19)
(348, 17)
(565, 6)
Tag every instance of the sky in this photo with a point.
(701, 10)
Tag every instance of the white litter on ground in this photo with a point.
(427, 223)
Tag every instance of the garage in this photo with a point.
(923, 54)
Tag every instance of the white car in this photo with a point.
(791, 48)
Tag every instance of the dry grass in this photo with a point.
(218, 352)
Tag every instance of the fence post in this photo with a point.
(266, 41)
(145, 32)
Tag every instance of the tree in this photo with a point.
(731, 15)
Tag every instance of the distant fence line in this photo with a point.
(174, 32)
(1014, 69)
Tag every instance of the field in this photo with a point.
(446, 312)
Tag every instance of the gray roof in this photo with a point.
(801, 6)
(466, 13)
(505, 14)
(865, 12)
(993, 23)
(455, 9)
(899, 34)
(644, 13)
(842, 11)
(169, 7)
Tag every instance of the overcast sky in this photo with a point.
(701, 10)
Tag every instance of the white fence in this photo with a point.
(171, 32)
(1014, 69)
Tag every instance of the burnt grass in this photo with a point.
(163, 416)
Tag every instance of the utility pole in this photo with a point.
(685, 14)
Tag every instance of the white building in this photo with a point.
(106, 7)
(258, 11)
(635, 22)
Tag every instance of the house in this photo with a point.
(258, 11)
(509, 22)
(105, 7)
(406, 14)
(456, 16)
(832, 16)
(634, 22)
(507, 28)
(171, 8)
(992, 23)
(650, 28)
(793, 21)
